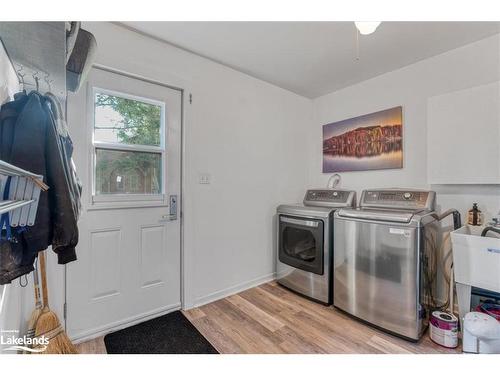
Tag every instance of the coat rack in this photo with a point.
(35, 50)
(32, 79)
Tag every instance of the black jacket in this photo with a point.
(29, 140)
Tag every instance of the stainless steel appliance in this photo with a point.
(304, 262)
(382, 255)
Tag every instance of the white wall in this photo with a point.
(468, 66)
(247, 134)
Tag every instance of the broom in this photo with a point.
(38, 307)
(48, 324)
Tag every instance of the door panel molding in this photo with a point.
(145, 256)
(98, 253)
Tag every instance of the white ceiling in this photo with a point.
(315, 58)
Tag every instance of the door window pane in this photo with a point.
(127, 172)
(127, 121)
(299, 244)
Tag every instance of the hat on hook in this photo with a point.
(81, 59)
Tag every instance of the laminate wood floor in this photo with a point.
(271, 319)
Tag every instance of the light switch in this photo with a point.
(204, 178)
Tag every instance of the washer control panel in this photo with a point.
(330, 198)
(395, 198)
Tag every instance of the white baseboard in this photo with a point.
(233, 290)
(103, 330)
(115, 326)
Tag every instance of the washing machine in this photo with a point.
(305, 242)
(382, 259)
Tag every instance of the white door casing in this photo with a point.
(129, 256)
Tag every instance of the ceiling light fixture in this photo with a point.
(366, 28)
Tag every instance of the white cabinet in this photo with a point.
(463, 136)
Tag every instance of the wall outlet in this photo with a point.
(204, 178)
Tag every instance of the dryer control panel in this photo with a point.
(398, 199)
(330, 198)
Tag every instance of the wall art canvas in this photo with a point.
(368, 142)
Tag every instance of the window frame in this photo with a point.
(121, 200)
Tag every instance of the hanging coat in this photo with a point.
(29, 139)
(66, 151)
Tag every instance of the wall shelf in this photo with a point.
(36, 47)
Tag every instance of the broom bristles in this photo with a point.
(60, 344)
(32, 324)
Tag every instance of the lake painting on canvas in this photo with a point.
(368, 142)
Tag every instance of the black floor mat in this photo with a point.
(169, 334)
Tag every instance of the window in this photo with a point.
(129, 147)
(300, 243)
(127, 172)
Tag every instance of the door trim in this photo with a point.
(136, 76)
(185, 300)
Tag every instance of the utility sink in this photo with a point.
(476, 263)
(476, 259)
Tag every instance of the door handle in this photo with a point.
(173, 207)
(165, 218)
(305, 223)
(172, 210)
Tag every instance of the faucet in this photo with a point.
(490, 228)
(495, 221)
(493, 225)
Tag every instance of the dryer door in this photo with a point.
(301, 242)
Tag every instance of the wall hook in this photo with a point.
(48, 81)
(21, 75)
(37, 79)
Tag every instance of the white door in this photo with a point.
(127, 139)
